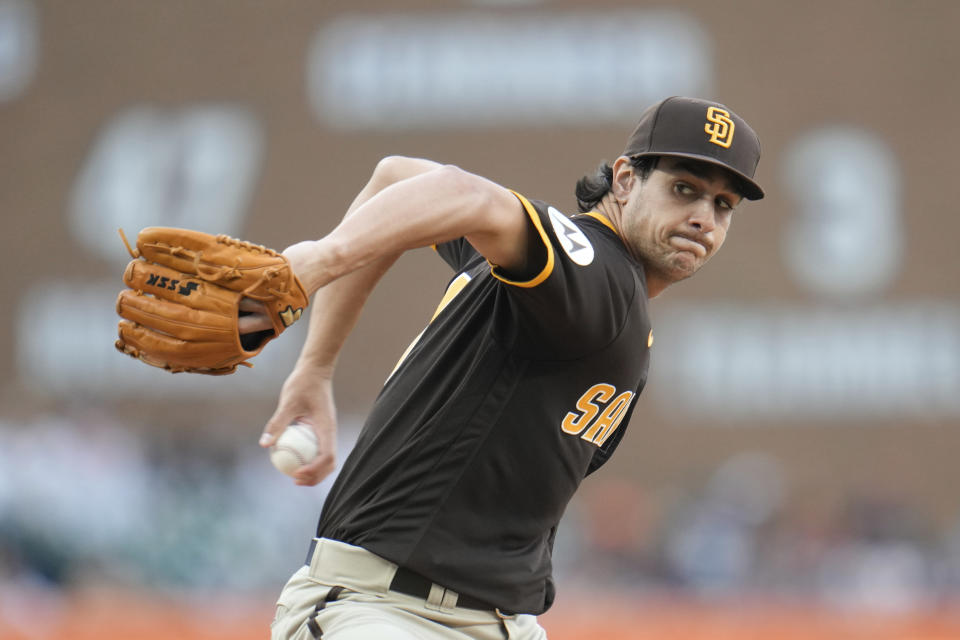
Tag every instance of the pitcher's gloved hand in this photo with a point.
(187, 292)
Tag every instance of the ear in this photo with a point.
(624, 176)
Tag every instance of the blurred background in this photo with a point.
(791, 469)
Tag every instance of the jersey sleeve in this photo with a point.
(457, 253)
(580, 298)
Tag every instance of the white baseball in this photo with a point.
(295, 447)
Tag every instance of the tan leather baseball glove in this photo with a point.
(182, 307)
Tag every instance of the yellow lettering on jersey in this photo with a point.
(574, 423)
(609, 420)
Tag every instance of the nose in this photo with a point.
(702, 216)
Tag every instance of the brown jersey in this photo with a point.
(515, 392)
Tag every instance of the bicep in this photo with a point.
(504, 237)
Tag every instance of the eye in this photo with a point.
(723, 203)
(684, 189)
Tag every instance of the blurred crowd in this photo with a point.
(745, 532)
(86, 500)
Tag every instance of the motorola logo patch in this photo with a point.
(572, 239)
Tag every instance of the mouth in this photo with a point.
(686, 243)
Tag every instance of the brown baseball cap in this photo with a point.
(701, 130)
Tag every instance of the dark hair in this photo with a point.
(591, 189)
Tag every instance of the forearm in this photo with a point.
(335, 311)
(337, 306)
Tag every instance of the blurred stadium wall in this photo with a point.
(793, 458)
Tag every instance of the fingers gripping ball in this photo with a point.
(182, 308)
(295, 447)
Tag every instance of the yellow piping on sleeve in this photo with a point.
(603, 219)
(548, 267)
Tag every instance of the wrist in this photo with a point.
(316, 368)
(306, 259)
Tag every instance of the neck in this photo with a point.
(655, 285)
(612, 210)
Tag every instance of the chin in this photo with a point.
(681, 270)
(680, 277)
(672, 275)
(674, 268)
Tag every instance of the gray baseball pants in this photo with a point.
(344, 594)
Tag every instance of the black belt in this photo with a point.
(413, 584)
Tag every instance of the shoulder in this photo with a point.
(583, 238)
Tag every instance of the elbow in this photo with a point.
(390, 166)
(393, 169)
(387, 171)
